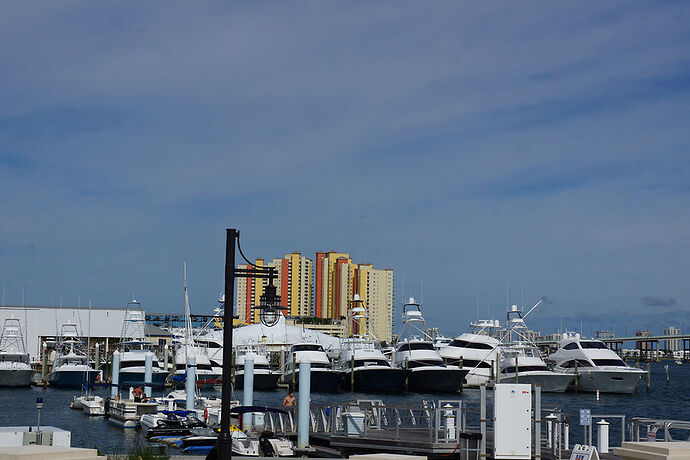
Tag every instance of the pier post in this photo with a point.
(282, 363)
(248, 392)
(649, 378)
(148, 373)
(303, 404)
(115, 381)
(537, 421)
(352, 373)
(165, 357)
(44, 363)
(550, 429)
(566, 434)
(576, 376)
(294, 364)
(603, 436)
(482, 419)
(98, 356)
(191, 381)
(668, 380)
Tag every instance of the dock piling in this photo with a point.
(44, 364)
(603, 436)
(114, 388)
(248, 391)
(148, 373)
(97, 358)
(649, 378)
(482, 419)
(668, 379)
(537, 421)
(303, 404)
(191, 382)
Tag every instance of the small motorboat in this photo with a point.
(170, 423)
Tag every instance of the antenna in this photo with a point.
(522, 296)
(421, 296)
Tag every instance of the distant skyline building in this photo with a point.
(641, 345)
(328, 284)
(602, 335)
(672, 344)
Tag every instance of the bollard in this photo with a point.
(248, 392)
(550, 429)
(566, 434)
(303, 404)
(98, 356)
(649, 378)
(603, 436)
(449, 420)
(191, 382)
(148, 373)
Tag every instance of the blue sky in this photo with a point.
(536, 145)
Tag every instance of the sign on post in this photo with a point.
(585, 417)
(581, 452)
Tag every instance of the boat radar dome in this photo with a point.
(411, 300)
(514, 308)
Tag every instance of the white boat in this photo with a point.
(428, 372)
(594, 365)
(264, 377)
(522, 363)
(71, 368)
(475, 352)
(133, 348)
(92, 405)
(520, 359)
(324, 378)
(127, 412)
(364, 366)
(15, 370)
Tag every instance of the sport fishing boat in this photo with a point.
(71, 368)
(522, 363)
(428, 372)
(364, 366)
(475, 352)
(323, 377)
(15, 370)
(133, 348)
(264, 377)
(594, 365)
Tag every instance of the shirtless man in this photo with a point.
(289, 403)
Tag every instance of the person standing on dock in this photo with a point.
(289, 403)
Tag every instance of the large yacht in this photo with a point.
(15, 370)
(520, 358)
(133, 348)
(522, 363)
(475, 352)
(417, 353)
(323, 377)
(364, 366)
(71, 368)
(594, 365)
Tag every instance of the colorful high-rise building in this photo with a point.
(328, 286)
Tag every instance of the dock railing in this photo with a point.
(670, 430)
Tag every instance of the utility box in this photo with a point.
(14, 436)
(353, 423)
(512, 421)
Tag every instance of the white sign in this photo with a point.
(581, 452)
(585, 417)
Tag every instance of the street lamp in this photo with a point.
(270, 309)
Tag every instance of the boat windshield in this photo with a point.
(608, 362)
(465, 344)
(511, 369)
(417, 346)
(371, 362)
(579, 362)
(425, 363)
(307, 347)
(593, 344)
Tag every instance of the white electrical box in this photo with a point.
(14, 436)
(512, 421)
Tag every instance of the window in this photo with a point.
(608, 362)
(598, 345)
(511, 369)
(473, 345)
(571, 346)
(580, 363)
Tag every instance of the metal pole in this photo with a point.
(537, 421)
(224, 437)
(114, 388)
(482, 419)
(98, 356)
(44, 363)
(165, 357)
(649, 378)
(516, 369)
(303, 404)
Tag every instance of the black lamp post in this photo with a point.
(270, 309)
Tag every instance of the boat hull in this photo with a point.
(436, 380)
(322, 380)
(136, 379)
(608, 381)
(16, 377)
(72, 379)
(550, 382)
(262, 381)
(375, 380)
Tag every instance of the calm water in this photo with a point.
(672, 402)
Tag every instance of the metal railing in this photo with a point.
(670, 430)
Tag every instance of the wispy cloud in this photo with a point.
(653, 301)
